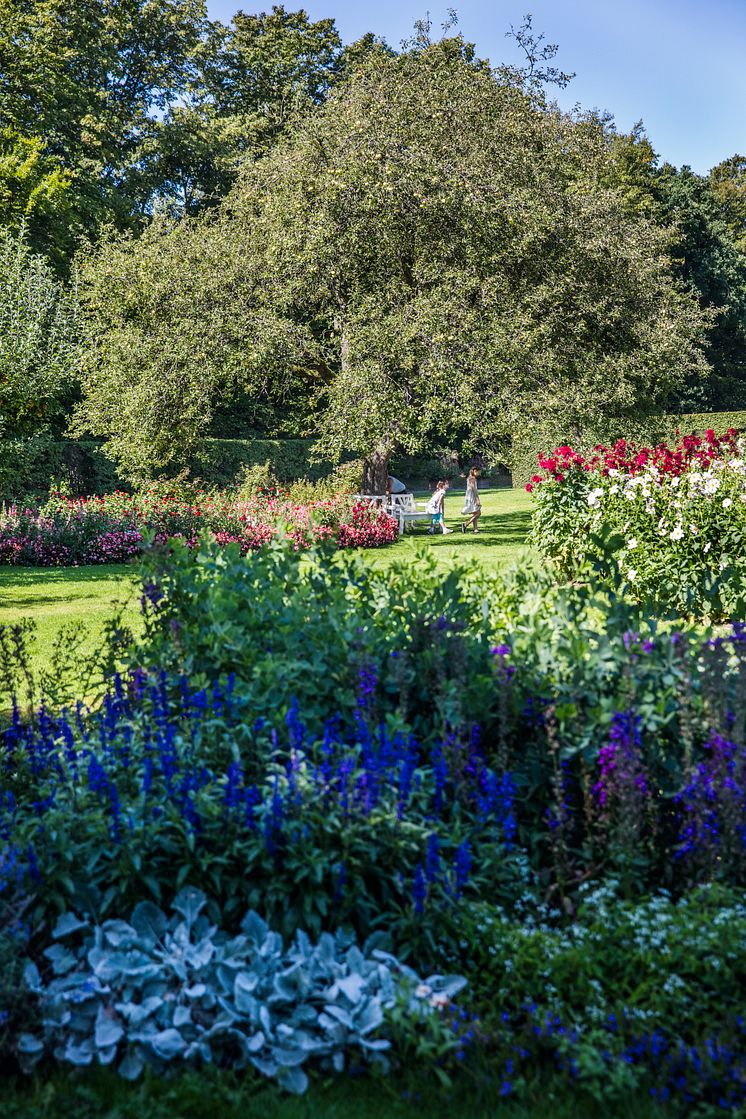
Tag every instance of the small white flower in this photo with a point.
(677, 533)
(593, 496)
(439, 1000)
(707, 547)
(614, 488)
(727, 503)
(631, 544)
(631, 574)
(711, 486)
(742, 497)
(422, 991)
(693, 529)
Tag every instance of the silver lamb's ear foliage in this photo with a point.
(149, 921)
(189, 902)
(154, 991)
(67, 924)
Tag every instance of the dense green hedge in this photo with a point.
(84, 467)
(525, 451)
(79, 464)
(219, 461)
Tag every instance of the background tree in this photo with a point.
(88, 79)
(706, 251)
(38, 348)
(251, 78)
(34, 194)
(136, 106)
(707, 256)
(728, 180)
(432, 250)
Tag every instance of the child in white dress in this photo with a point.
(436, 508)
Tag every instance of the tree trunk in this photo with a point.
(376, 472)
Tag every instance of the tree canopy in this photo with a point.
(383, 249)
(431, 250)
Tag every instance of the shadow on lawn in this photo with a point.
(496, 530)
(31, 576)
(31, 588)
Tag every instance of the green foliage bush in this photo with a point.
(662, 975)
(220, 461)
(78, 466)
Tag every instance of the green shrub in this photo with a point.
(42, 464)
(220, 461)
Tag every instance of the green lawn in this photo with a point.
(56, 596)
(210, 1094)
(503, 527)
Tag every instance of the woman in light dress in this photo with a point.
(472, 504)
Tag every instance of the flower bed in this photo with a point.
(546, 800)
(114, 528)
(673, 519)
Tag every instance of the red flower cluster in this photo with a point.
(691, 450)
(112, 529)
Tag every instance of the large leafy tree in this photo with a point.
(440, 236)
(432, 250)
(173, 327)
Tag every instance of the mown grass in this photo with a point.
(209, 1094)
(501, 540)
(56, 597)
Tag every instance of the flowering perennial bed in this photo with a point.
(361, 829)
(113, 528)
(672, 518)
(548, 802)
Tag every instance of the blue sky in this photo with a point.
(677, 65)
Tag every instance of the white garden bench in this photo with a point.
(400, 506)
(404, 509)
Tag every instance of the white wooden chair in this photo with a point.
(403, 507)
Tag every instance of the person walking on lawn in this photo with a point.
(472, 504)
(436, 507)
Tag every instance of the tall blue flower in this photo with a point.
(419, 889)
(462, 865)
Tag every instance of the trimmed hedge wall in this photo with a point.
(84, 467)
(653, 429)
(219, 461)
(79, 464)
